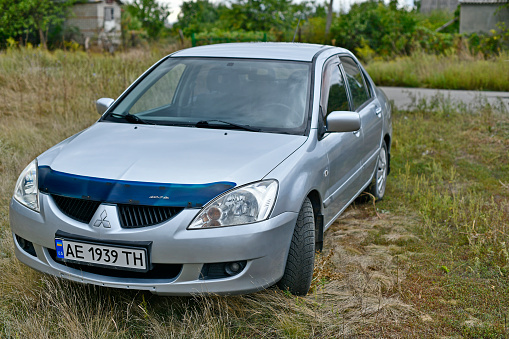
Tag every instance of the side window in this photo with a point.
(358, 89)
(337, 98)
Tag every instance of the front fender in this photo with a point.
(299, 174)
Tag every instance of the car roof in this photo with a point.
(258, 50)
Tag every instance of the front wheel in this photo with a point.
(301, 256)
(377, 187)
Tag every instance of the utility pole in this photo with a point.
(329, 19)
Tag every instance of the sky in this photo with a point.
(343, 4)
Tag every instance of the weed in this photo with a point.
(324, 271)
(442, 71)
(383, 271)
(443, 169)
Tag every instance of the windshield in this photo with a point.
(262, 95)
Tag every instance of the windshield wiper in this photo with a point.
(206, 123)
(133, 119)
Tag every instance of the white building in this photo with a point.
(96, 21)
(481, 16)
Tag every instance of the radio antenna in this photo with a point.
(297, 28)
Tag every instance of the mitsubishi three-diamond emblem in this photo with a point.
(102, 220)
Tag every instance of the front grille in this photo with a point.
(132, 216)
(77, 209)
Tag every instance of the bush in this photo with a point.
(429, 41)
(386, 29)
(491, 44)
(218, 36)
(375, 29)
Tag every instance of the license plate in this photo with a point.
(102, 255)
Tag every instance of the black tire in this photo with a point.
(301, 256)
(377, 186)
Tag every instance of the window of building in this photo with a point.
(109, 13)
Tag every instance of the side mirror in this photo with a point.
(103, 104)
(343, 121)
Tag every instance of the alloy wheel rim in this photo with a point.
(381, 174)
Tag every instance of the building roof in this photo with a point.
(483, 1)
(256, 50)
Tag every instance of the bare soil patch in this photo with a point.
(364, 268)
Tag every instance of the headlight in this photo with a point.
(26, 191)
(243, 205)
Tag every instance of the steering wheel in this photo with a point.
(291, 117)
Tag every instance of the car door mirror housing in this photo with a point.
(343, 121)
(103, 104)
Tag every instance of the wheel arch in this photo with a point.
(316, 202)
(387, 139)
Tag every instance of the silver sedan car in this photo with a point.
(217, 171)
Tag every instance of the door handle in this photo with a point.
(378, 111)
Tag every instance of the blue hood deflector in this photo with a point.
(129, 192)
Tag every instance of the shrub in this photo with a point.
(218, 36)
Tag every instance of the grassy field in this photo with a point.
(430, 260)
(443, 72)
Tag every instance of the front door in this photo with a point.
(343, 149)
(370, 112)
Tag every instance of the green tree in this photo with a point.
(42, 14)
(151, 14)
(12, 24)
(31, 16)
(259, 15)
(199, 16)
(313, 28)
(386, 29)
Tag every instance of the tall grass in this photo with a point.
(47, 97)
(58, 308)
(443, 72)
(453, 167)
(449, 167)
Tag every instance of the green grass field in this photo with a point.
(430, 260)
(443, 72)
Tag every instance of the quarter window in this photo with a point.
(358, 89)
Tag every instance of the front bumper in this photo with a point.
(263, 246)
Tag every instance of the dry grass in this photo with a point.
(361, 290)
(430, 260)
(451, 164)
(445, 72)
(47, 97)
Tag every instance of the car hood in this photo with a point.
(162, 157)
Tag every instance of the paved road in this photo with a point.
(403, 97)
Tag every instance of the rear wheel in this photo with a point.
(377, 187)
(301, 256)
